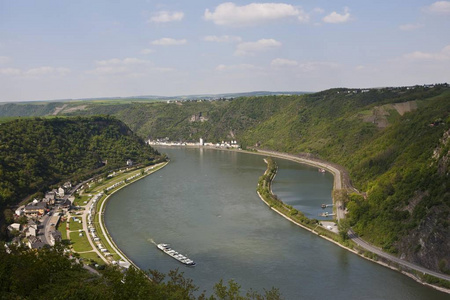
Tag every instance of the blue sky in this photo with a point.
(78, 49)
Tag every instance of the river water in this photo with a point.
(204, 204)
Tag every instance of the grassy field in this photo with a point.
(75, 226)
(80, 244)
(79, 200)
(62, 228)
(92, 256)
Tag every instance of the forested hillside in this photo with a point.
(50, 274)
(393, 141)
(35, 153)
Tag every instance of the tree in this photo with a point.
(9, 216)
(23, 220)
(344, 227)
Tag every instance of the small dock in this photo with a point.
(326, 214)
(326, 205)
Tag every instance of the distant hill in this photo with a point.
(143, 98)
(36, 153)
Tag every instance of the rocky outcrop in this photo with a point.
(428, 244)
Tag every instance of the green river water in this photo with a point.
(204, 204)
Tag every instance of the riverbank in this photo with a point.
(98, 210)
(413, 271)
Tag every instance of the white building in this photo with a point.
(61, 192)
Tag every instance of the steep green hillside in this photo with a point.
(393, 141)
(400, 161)
(35, 153)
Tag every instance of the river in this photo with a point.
(204, 204)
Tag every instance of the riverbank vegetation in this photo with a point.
(264, 190)
(51, 274)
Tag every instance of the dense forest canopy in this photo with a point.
(51, 274)
(38, 152)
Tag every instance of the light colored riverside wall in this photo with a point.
(100, 211)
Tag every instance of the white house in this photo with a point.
(14, 226)
(61, 192)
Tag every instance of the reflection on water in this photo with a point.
(204, 204)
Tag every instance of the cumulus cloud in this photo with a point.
(169, 42)
(240, 67)
(10, 71)
(336, 18)
(249, 48)
(281, 62)
(442, 55)
(222, 39)
(229, 14)
(167, 16)
(410, 27)
(439, 7)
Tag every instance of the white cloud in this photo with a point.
(10, 71)
(336, 18)
(229, 14)
(439, 7)
(240, 67)
(169, 42)
(4, 60)
(47, 71)
(442, 55)
(281, 62)
(249, 48)
(167, 16)
(130, 67)
(114, 66)
(147, 51)
(222, 39)
(410, 27)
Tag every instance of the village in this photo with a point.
(71, 213)
(37, 221)
(233, 144)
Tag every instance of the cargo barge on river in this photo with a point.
(172, 253)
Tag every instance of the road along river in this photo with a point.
(204, 204)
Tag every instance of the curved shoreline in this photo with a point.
(102, 208)
(320, 164)
(324, 165)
